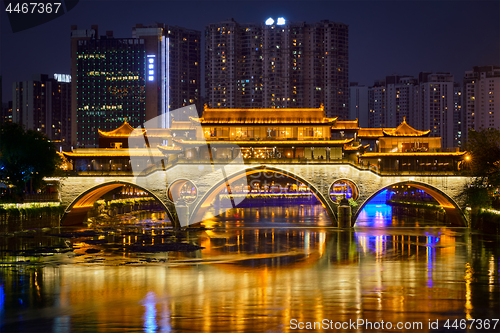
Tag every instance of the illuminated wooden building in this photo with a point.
(260, 135)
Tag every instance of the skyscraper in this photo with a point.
(277, 64)
(136, 78)
(43, 104)
(377, 104)
(458, 116)
(399, 100)
(426, 103)
(481, 85)
(434, 105)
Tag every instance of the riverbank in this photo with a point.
(32, 215)
(488, 221)
(16, 217)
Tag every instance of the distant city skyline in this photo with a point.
(385, 38)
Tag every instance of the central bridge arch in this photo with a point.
(452, 209)
(204, 203)
(76, 212)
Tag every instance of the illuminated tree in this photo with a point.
(484, 150)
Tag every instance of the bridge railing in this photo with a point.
(179, 160)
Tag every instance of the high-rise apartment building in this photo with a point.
(137, 78)
(399, 100)
(277, 64)
(434, 105)
(426, 103)
(481, 86)
(377, 104)
(44, 104)
(392, 101)
(458, 117)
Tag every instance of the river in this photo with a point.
(268, 269)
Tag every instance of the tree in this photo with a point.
(484, 150)
(25, 156)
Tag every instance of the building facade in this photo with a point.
(458, 117)
(377, 104)
(137, 78)
(277, 64)
(480, 87)
(434, 105)
(6, 115)
(426, 102)
(44, 104)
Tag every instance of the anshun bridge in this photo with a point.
(216, 153)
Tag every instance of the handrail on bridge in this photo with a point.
(153, 168)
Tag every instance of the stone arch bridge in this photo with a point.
(78, 193)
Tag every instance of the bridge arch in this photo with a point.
(204, 203)
(452, 209)
(76, 211)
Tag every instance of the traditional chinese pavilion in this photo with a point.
(281, 135)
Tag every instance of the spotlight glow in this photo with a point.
(270, 21)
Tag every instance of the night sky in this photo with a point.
(385, 37)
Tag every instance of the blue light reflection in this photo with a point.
(376, 213)
(149, 317)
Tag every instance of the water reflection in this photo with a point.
(253, 279)
(378, 214)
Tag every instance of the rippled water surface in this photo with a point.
(259, 270)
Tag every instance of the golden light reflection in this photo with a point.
(491, 273)
(469, 273)
(226, 284)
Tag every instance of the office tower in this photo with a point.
(43, 104)
(358, 103)
(184, 50)
(481, 85)
(277, 64)
(134, 79)
(434, 105)
(458, 116)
